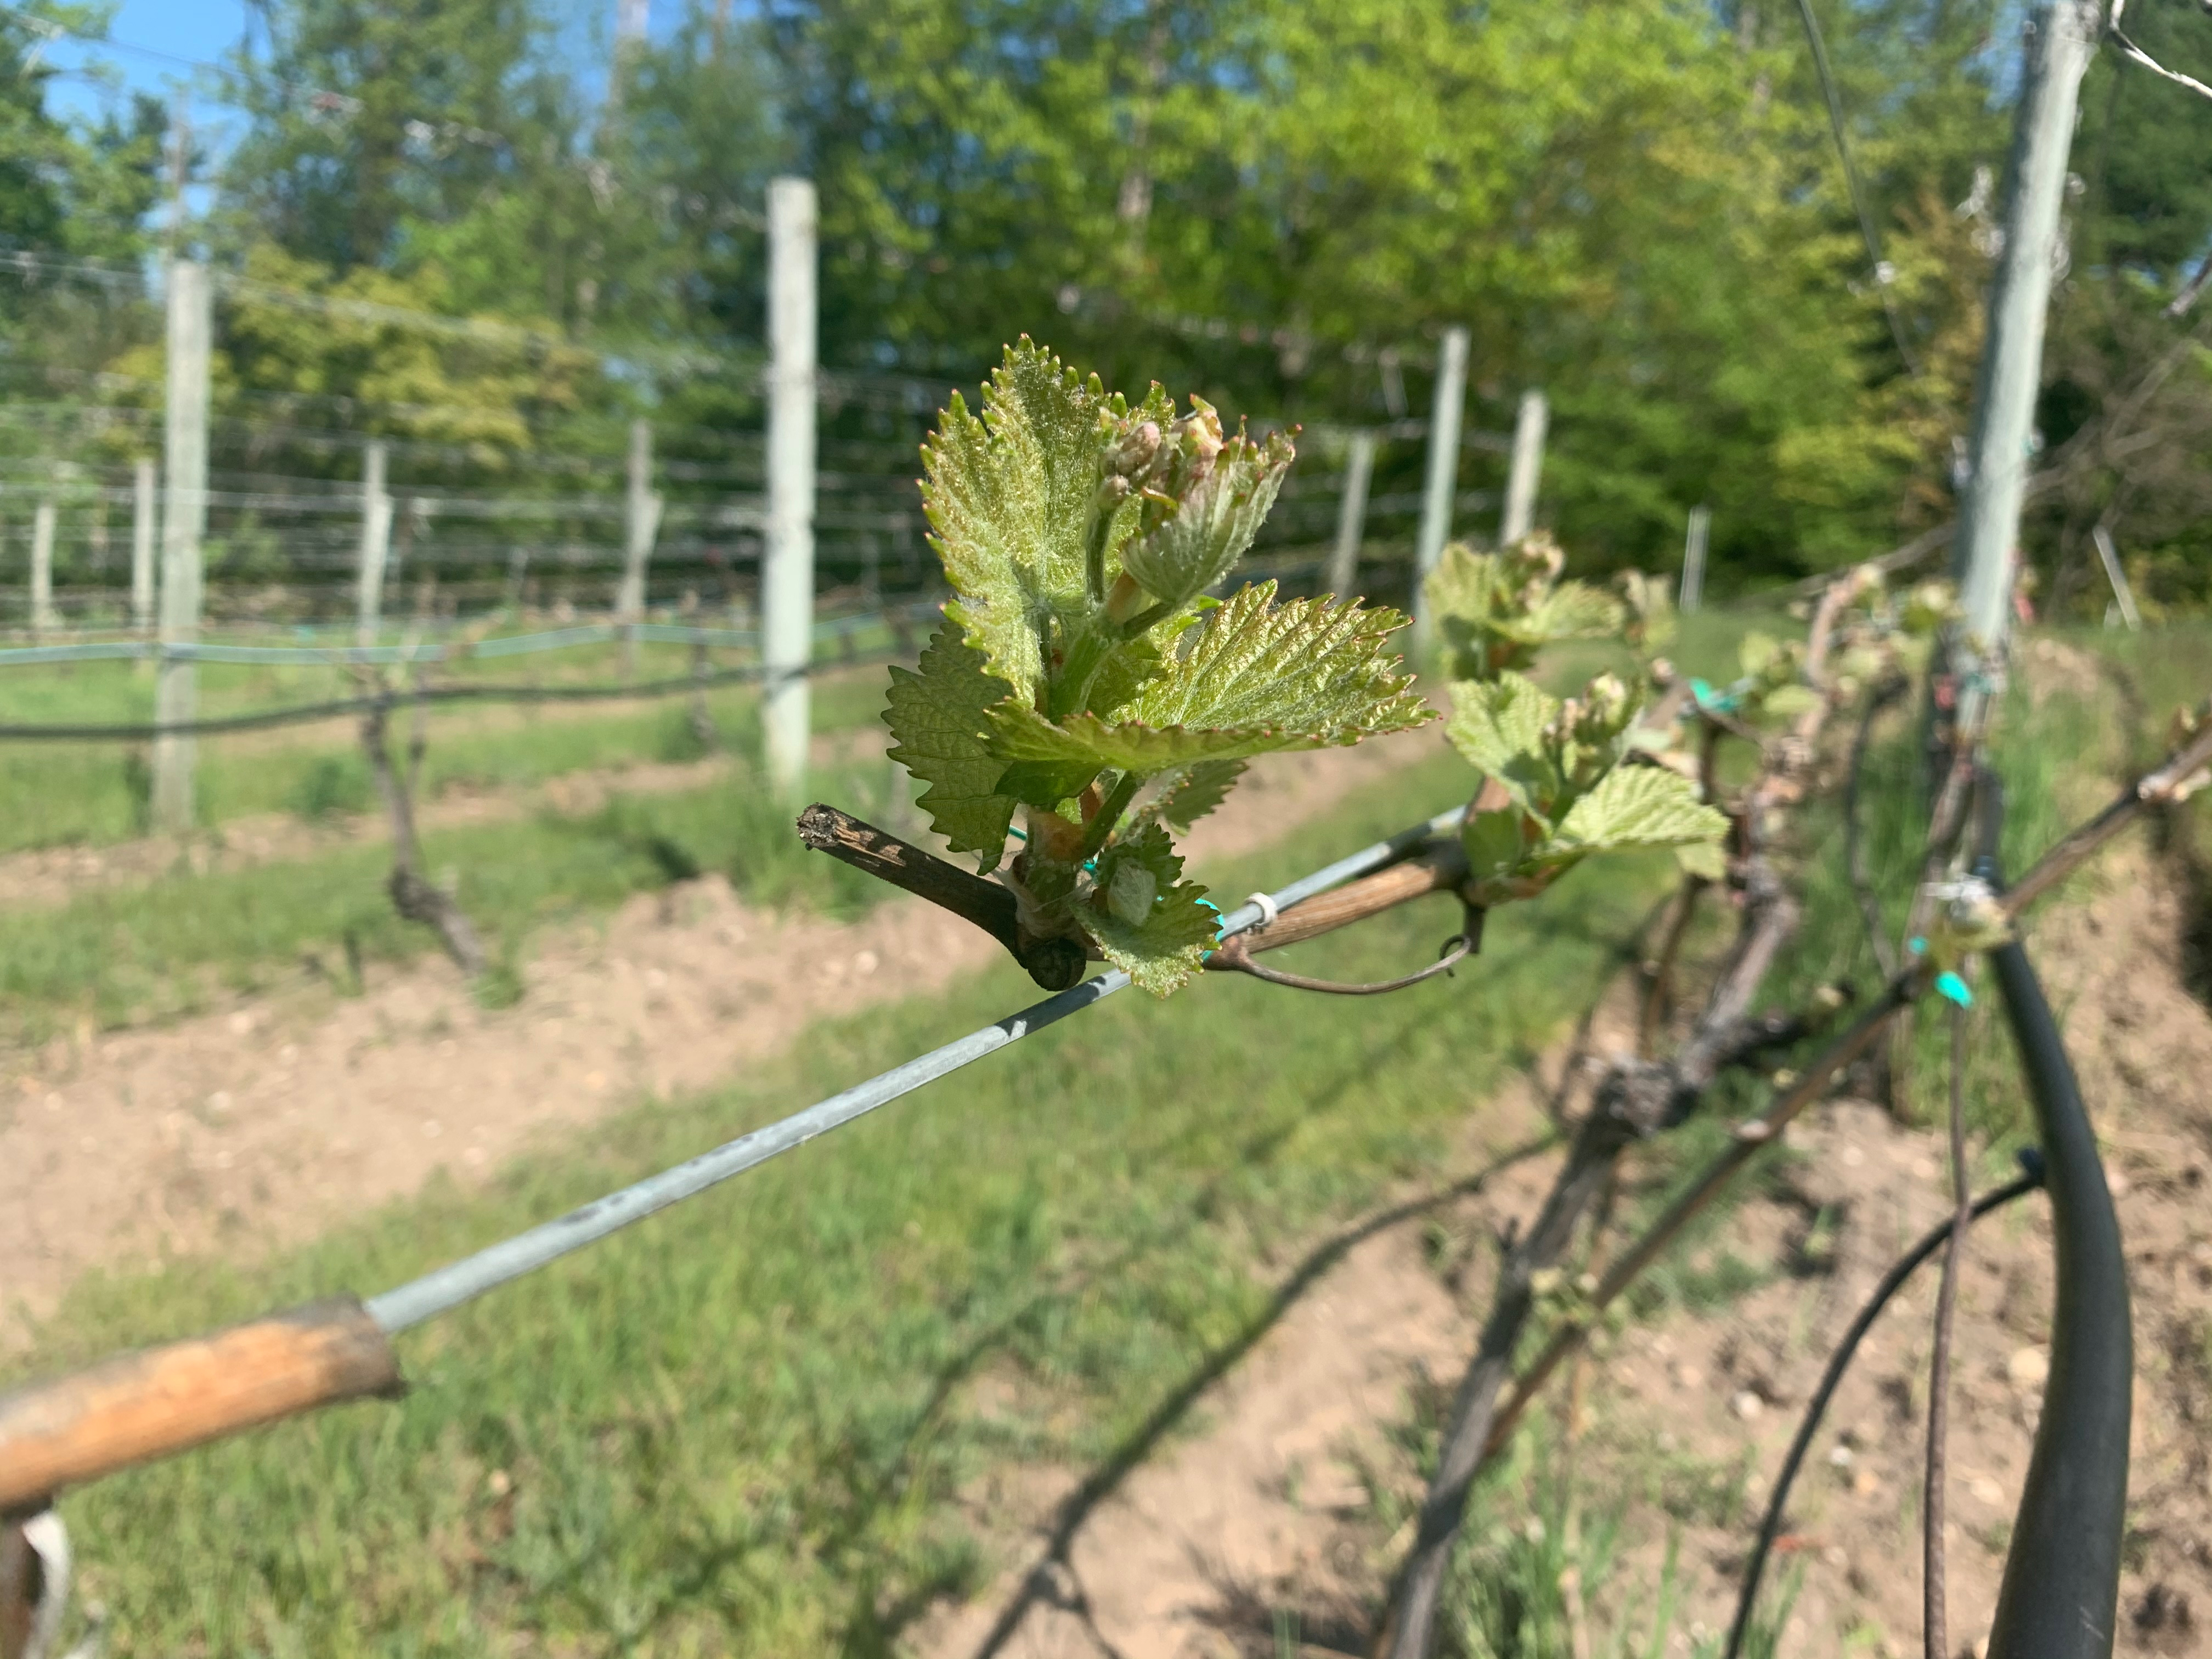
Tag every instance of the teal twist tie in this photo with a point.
(1216, 909)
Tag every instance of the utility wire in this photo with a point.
(1882, 270)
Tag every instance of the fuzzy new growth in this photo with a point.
(1083, 681)
(1560, 781)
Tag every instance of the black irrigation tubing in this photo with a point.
(302, 713)
(449, 1287)
(2060, 1595)
(1838, 1363)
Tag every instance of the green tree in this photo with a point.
(83, 187)
(367, 116)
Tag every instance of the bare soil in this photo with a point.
(265, 1123)
(1259, 1521)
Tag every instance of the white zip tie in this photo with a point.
(1268, 910)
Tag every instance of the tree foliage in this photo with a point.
(1638, 205)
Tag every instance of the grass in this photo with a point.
(741, 1427)
(96, 794)
(747, 1425)
(128, 955)
(1554, 1524)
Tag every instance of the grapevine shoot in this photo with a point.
(1083, 680)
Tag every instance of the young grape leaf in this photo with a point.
(937, 716)
(1561, 763)
(1499, 727)
(1493, 612)
(1046, 782)
(1012, 495)
(1705, 859)
(1216, 514)
(1640, 806)
(1260, 677)
(1307, 666)
(1193, 792)
(1146, 918)
(1080, 534)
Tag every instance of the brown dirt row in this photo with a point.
(1271, 1520)
(263, 1123)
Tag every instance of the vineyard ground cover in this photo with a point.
(1685, 1413)
(745, 1426)
(129, 956)
(1688, 1409)
(96, 794)
(259, 1123)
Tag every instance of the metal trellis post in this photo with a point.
(1530, 423)
(43, 615)
(2062, 36)
(142, 527)
(640, 523)
(1444, 468)
(1351, 515)
(184, 518)
(2123, 595)
(787, 573)
(375, 544)
(1692, 593)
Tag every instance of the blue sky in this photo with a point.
(190, 29)
(154, 44)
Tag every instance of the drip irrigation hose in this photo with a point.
(2031, 1177)
(2060, 1596)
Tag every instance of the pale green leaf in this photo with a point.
(1046, 783)
(1011, 495)
(1639, 806)
(1787, 702)
(1260, 677)
(1215, 521)
(1572, 611)
(1125, 671)
(937, 716)
(1499, 726)
(1757, 651)
(1705, 859)
(1161, 941)
(1193, 792)
(1023, 736)
(1498, 842)
(1493, 612)
(1311, 669)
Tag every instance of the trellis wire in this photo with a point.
(513, 645)
(438, 1292)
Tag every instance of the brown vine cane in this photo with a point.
(137, 1407)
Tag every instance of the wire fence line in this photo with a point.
(699, 680)
(828, 630)
(285, 504)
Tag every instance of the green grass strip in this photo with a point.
(742, 1426)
